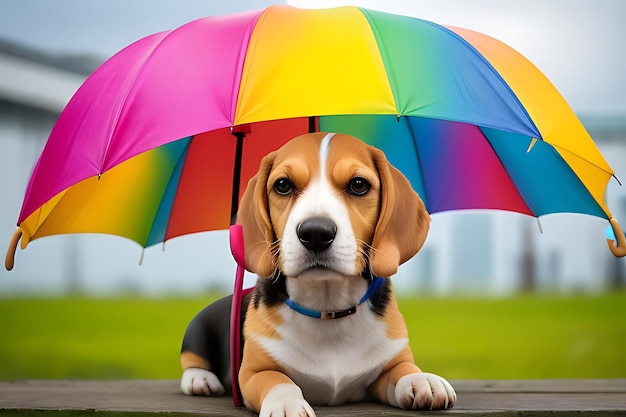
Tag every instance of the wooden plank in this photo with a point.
(528, 397)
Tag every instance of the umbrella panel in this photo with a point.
(178, 188)
(123, 201)
(455, 165)
(203, 196)
(544, 179)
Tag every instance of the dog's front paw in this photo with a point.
(424, 391)
(196, 381)
(285, 400)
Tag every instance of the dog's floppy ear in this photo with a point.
(254, 218)
(403, 222)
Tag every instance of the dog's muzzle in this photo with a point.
(317, 233)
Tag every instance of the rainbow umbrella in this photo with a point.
(157, 141)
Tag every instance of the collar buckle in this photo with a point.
(328, 315)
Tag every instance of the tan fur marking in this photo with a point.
(259, 372)
(262, 322)
(259, 230)
(299, 162)
(191, 360)
(258, 384)
(403, 223)
(396, 326)
(403, 364)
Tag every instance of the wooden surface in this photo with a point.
(601, 397)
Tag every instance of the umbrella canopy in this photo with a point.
(149, 147)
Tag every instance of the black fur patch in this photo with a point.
(271, 292)
(379, 301)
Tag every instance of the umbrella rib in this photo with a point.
(124, 97)
(600, 204)
(529, 122)
(560, 148)
(425, 198)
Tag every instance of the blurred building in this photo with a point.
(34, 88)
(472, 252)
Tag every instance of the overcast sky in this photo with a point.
(104, 27)
(578, 44)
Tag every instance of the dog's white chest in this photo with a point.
(333, 361)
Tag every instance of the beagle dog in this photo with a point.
(326, 220)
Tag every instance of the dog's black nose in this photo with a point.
(317, 233)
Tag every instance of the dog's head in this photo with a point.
(328, 202)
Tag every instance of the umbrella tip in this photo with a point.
(616, 234)
(9, 260)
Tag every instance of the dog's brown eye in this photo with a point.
(283, 186)
(358, 186)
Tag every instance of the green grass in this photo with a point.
(82, 338)
(520, 337)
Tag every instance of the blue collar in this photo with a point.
(376, 283)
